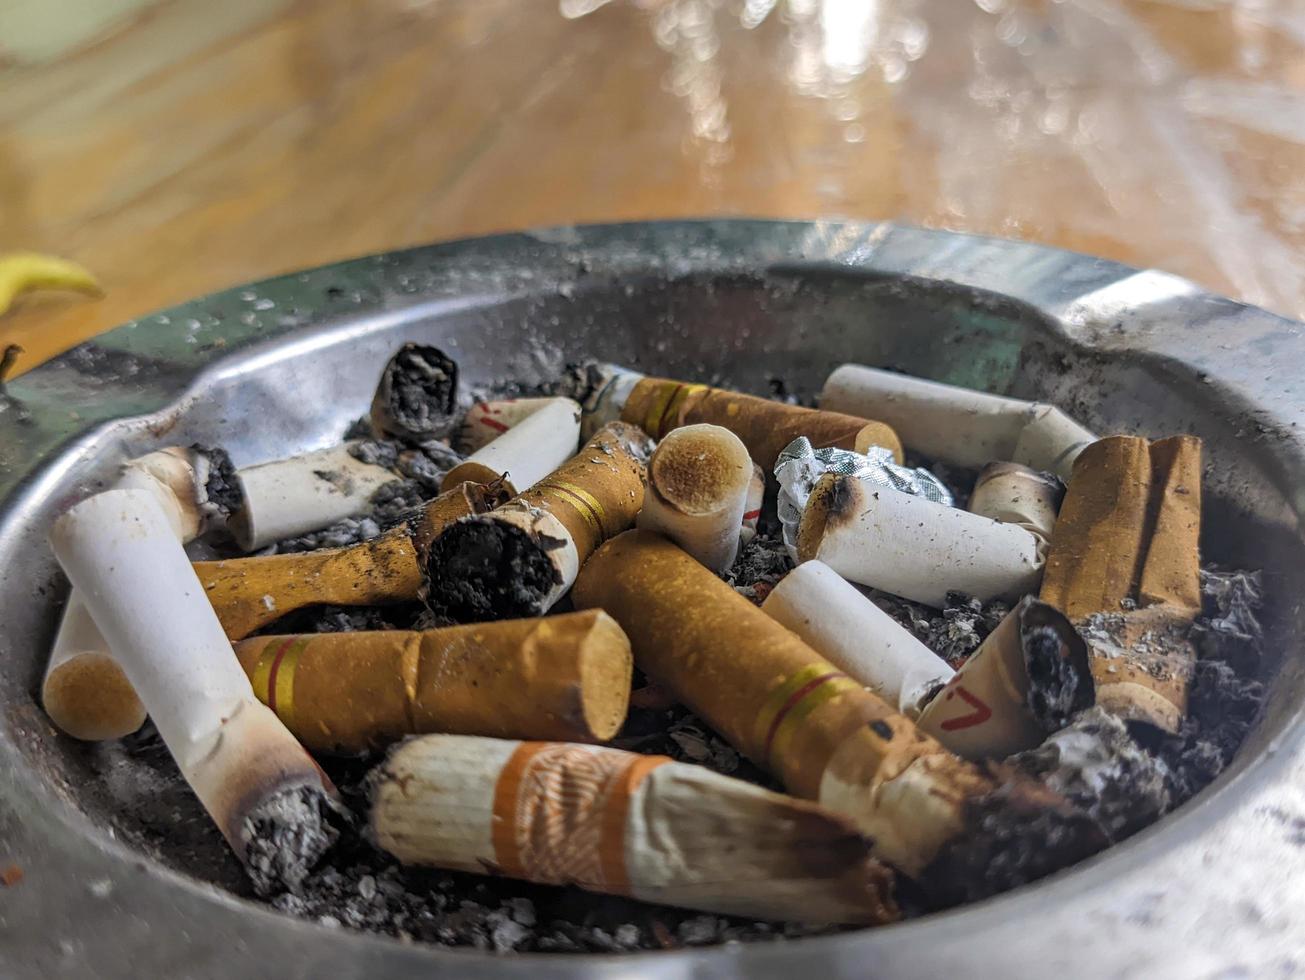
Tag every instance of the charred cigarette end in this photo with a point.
(834, 502)
(480, 569)
(464, 500)
(417, 394)
(1060, 680)
(89, 697)
(287, 834)
(220, 494)
(1016, 834)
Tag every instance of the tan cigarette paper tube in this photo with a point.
(766, 427)
(521, 558)
(1171, 571)
(856, 636)
(249, 593)
(118, 549)
(525, 453)
(1015, 494)
(1026, 680)
(698, 482)
(778, 701)
(625, 824)
(562, 677)
(913, 547)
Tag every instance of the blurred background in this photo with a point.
(176, 147)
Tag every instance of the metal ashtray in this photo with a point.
(284, 365)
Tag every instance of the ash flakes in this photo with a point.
(762, 562)
(955, 631)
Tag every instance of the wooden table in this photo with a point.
(203, 144)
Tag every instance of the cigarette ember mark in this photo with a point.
(980, 714)
(11, 876)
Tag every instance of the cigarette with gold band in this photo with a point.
(913, 547)
(560, 677)
(697, 494)
(790, 710)
(249, 593)
(1128, 536)
(1015, 494)
(521, 558)
(262, 790)
(527, 452)
(857, 637)
(659, 405)
(620, 823)
(957, 425)
(1027, 679)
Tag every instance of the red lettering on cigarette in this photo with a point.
(791, 703)
(494, 424)
(751, 515)
(980, 714)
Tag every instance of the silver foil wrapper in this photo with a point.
(800, 467)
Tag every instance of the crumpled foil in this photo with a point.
(800, 466)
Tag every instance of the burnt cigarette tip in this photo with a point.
(287, 834)
(481, 569)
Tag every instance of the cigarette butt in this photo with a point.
(1016, 494)
(1026, 680)
(263, 791)
(778, 701)
(527, 452)
(249, 593)
(416, 397)
(289, 497)
(486, 421)
(85, 692)
(913, 547)
(520, 559)
(659, 405)
(625, 824)
(1142, 664)
(1171, 572)
(562, 677)
(752, 509)
(857, 637)
(957, 425)
(698, 481)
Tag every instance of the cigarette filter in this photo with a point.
(857, 637)
(561, 677)
(1128, 534)
(258, 784)
(525, 453)
(1026, 680)
(416, 397)
(697, 495)
(913, 547)
(249, 593)
(779, 702)
(289, 497)
(486, 421)
(752, 508)
(84, 691)
(626, 824)
(957, 425)
(1016, 494)
(521, 558)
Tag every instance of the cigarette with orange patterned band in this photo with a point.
(262, 790)
(526, 452)
(521, 558)
(1124, 565)
(790, 710)
(697, 494)
(620, 823)
(659, 405)
(560, 677)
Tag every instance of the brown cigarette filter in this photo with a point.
(1128, 535)
(1026, 680)
(766, 427)
(563, 677)
(521, 558)
(249, 593)
(784, 706)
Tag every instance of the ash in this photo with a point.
(762, 562)
(955, 631)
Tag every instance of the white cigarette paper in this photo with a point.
(956, 425)
(121, 554)
(607, 398)
(856, 636)
(621, 823)
(1019, 495)
(288, 497)
(486, 421)
(527, 452)
(698, 481)
(752, 508)
(915, 548)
